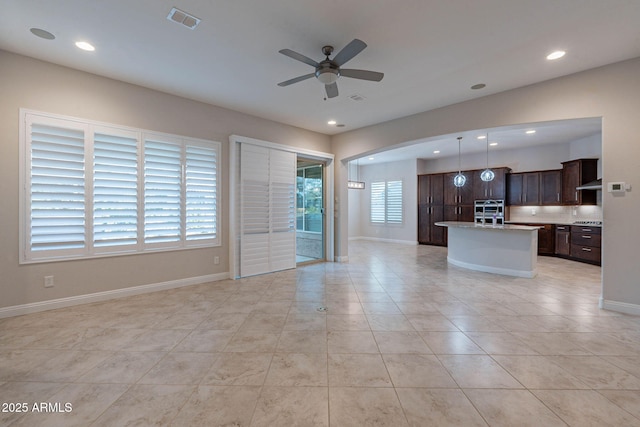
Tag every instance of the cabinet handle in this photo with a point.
(576, 196)
(490, 192)
(525, 197)
(586, 230)
(566, 238)
(586, 237)
(586, 249)
(558, 196)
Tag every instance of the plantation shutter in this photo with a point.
(162, 191)
(394, 202)
(115, 189)
(378, 202)
(267, 205)
(201, 193)
(56, 182)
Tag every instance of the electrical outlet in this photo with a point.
(48, 281)
(216, 260)
(533, 212)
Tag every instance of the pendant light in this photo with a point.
(459, 179)
(487, 174)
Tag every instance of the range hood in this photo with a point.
(593, 185)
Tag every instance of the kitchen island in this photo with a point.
(501, 249)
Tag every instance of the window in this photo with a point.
(386, 202)
(309, 199)
(92, 189)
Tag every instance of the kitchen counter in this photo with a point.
(507, 249)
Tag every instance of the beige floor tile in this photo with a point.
(292, 406)
(353, 406)
(351, 342)
(298, 369)
(539, 372)
(475, 323)
(16, 364)
(597, 373)
(306, 322)
(219, 406)
(238, 369)
(27, 392)
(66, 365)
(380, 308)
(401, 342)
(500, 343)
(122, 367)
(450, 343)
(264, 322)
(205, 340)
(157, 340)
(302, 342)
(146, 405)
(389, 322)
(224, 321)
(507, 408)
(180, 368)
(347, 322)
(477, 371)
(585, 408)
(629, 400)
(552, 344)
(433, 322)
(359, 370)
(417, 370)
(438, 407)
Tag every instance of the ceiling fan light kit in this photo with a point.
(328, 71)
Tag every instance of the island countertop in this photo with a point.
(461, 224)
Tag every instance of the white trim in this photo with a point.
(380, 239)
(329, 201)
(494, 270)
(35, 307)
(621, 307)
(341, 259)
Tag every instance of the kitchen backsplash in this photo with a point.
(555, 214)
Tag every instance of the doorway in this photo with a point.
(310, 211)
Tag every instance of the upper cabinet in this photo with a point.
(551, 187)
(458, 195)
(495, 189)
(523, 189)
(574, 174)
(431, 189)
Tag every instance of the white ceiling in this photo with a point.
(431, 51)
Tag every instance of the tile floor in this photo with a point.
(406, 340)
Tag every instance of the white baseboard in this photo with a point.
(341, 259)
(379, 239)
(622, 307)
(35, 307)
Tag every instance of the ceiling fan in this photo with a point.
(328, 70)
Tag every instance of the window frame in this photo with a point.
(91, 249)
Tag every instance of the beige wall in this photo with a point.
(611, 92)
(37, 85)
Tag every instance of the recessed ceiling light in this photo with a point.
(371, 158)
(42, 33)
(482, 137)
(85, 46)
(530, 132)
(478, 86)
(556, 55)
(332, 122)
(493, 144)
(436, 152)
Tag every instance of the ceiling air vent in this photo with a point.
(181, 17)
(357, 97)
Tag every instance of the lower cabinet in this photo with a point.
(546, 238)
(428, 233)
(586, 244)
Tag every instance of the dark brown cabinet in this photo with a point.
(586, 243)
(495, 189)
(431, 209)
(551, 187)
(574, 174)
(563, 240)
(458, 195)
(523, 189)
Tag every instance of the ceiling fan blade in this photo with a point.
(362, 74)
(296, 80)
(332, 90)
(298, 57)
(349, 51)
